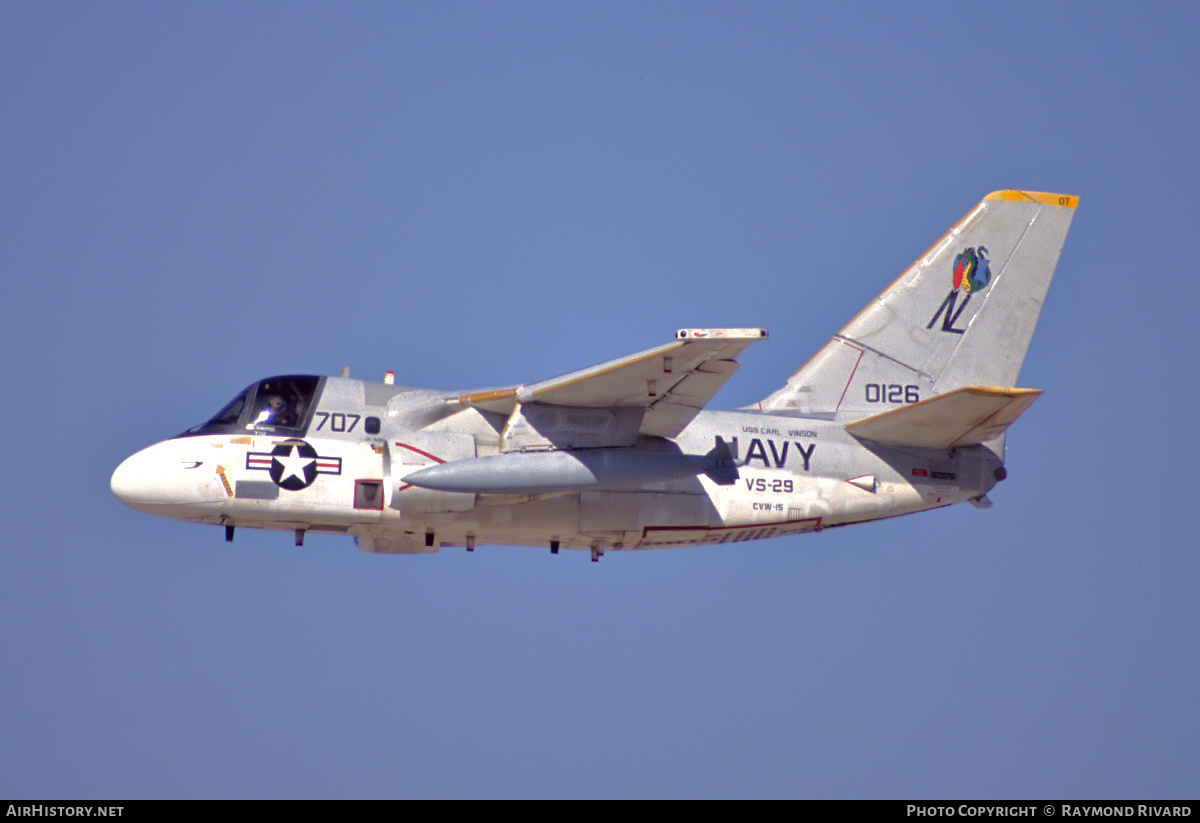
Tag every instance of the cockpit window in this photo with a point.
(282, 402)
(277, 404)
(229, 415)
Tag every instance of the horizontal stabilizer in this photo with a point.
(963, 417)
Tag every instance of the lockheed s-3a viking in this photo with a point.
(904, 409)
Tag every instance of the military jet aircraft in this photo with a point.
(905, 409)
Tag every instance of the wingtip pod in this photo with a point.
(721, 334)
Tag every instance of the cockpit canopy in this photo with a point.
(277, 405)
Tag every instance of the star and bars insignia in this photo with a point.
(293, 464)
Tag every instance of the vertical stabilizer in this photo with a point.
(961, 315)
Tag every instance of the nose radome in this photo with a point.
(163, 479)
(143, 478)
(125, 480)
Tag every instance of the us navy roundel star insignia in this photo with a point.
(293, 464)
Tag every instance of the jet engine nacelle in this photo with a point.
(563, 470)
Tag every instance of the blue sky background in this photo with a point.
(473, 194)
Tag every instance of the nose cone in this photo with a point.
(166, 480)
(134, 481)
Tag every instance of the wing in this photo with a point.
(654, 392)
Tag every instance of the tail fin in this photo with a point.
(961, 315)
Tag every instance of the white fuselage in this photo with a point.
(793, 474)
(905, 408)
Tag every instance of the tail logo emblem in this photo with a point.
(971, 271)
(971, 275)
